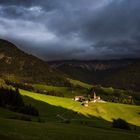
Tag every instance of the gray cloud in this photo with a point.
(73, 29)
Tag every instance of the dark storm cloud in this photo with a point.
(68, 29)
(119, 19)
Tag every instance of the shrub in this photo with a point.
(121, 124)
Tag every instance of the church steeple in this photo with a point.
(94, 95)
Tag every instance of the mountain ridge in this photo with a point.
(123, 73)
(26, 67)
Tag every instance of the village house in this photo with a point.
(85, 103)
(79, 98)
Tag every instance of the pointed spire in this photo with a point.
(94, 95)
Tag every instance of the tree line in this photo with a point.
(116, 95)
(11, 99)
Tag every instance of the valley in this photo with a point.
(37, 99)
(69, 70)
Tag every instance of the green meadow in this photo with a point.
(66, 91)
(82, 84)
(20, 130)
(87, 123)
(106, 111)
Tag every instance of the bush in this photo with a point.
(121, 124)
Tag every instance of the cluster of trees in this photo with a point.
(51, 93)
(114, 95)
(11, 99)
(29, 87)
(122, 98)
(25, 86)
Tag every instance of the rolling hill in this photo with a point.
(123, 73)
(106, 111)
(18, 66)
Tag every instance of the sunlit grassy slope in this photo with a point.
(66, 91)
(106, 111)
(2, 83)
(50, 88)
(71, 92)
(82, 84)
(72, 81)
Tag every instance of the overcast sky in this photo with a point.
(73, 29)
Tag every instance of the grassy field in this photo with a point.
(105, 111)
(21, 130)
(66, 91)
(82, 84)
(98, 117)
